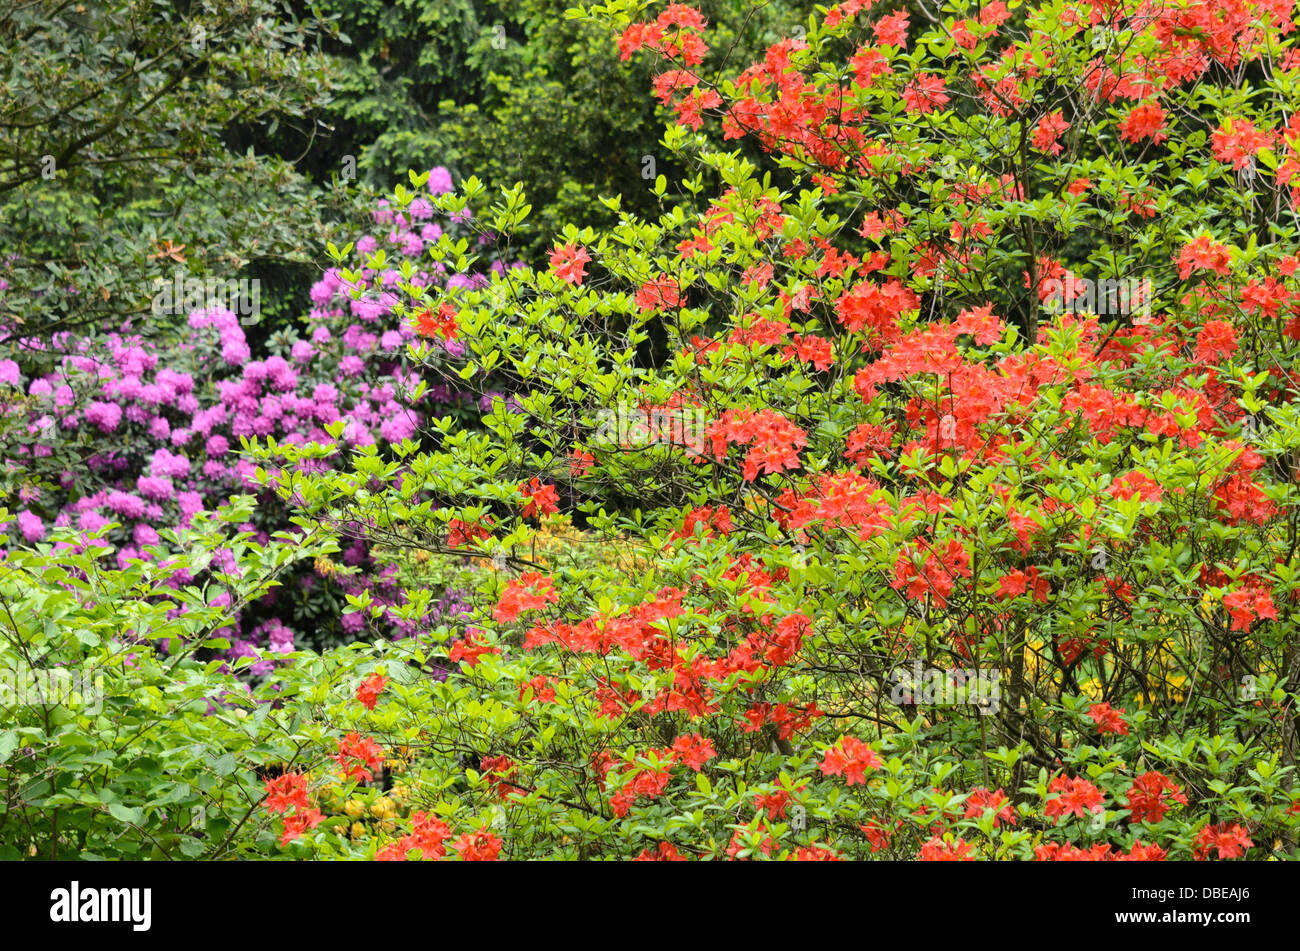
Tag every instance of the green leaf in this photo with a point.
(8, 743)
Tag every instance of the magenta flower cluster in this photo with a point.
(161, 420)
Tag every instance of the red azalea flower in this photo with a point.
(541, 499)
(480, 846)
(530, 591)
(937, 850)
(1077, 797)
(1231, 841)
(981, 800)
(357, 756)
(442, 324)
(285, 792)
(1108, 719)
(850, 758)
(569, 262)
(369, 690)
(298, 823)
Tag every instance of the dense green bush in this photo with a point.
(115, 169)
(119, 739)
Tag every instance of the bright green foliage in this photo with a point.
(119, 740)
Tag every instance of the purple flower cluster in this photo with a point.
(269, 637)
(164, 420)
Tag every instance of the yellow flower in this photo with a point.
(354, 808)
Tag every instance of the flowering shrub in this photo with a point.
(943, 554)
(944, 492)
(147, 430)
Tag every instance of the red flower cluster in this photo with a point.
(846, 501)
(672, 34)
(1074, 797)
(569, 261)
(499, 771)
(442, 324)
(461, 533)
(480, 846)
(1015, 583)
(811, 349)
(1108, 719)
(1146, 797)
(286, 792)
(428, 833)
(289, 791)
(787, 721)
(936, 575)
(470, 648)
(529, 592)
(1230, 841)
(774, 440)
(850, 758)
(541, 499)
(1238, 141)
(645, 783)
(1047, 132)
(541, 688)
(953, 850)
(664, 852)
(1068, 852)
(925, 93)
(706, 520)
(1248, 604)
(1217, 342)
(369, 690)
(740, 843)
(1140, 484)
(981, 800)
(693, 750)
(357, 756)
(660, 293)
(875, 309)
(1145, 120)
(1202, 254)
(1242, 500)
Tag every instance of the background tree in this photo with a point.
(115, 165)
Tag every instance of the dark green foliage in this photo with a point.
(113, 125)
